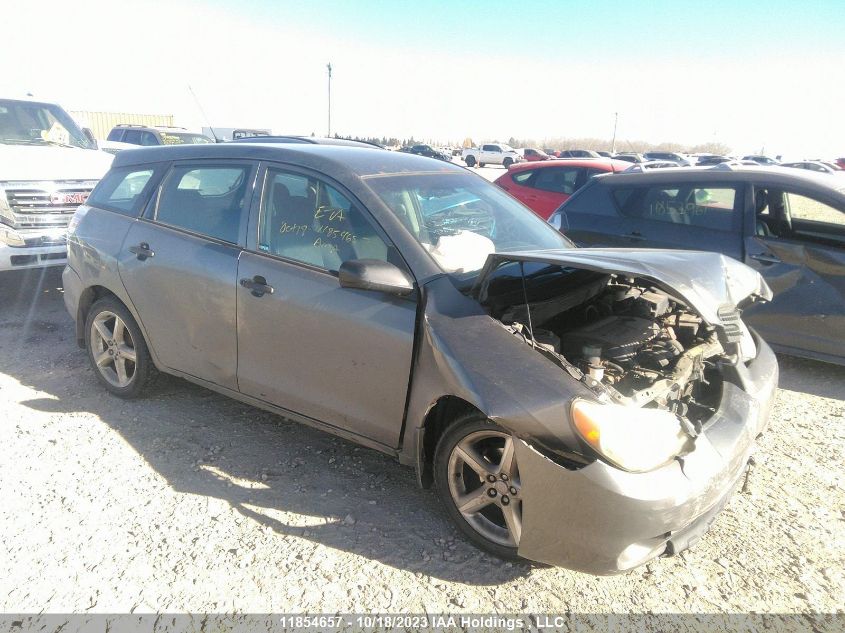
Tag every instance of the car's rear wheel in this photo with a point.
(481, 164)
(470, 161)
(477, 479)
(117, 350)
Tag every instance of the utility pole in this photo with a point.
(615, 121)
(329, 68)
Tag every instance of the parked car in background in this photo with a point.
(434, 318)
(604, 154)
(426, 150)
(787, 224)
(553, 153)
(840, 162)
(819, 166)
(680, 159)
(532, 155)
(491, 154)
(578, 153)
(152, 136)
(712, 159)
(48, 166)
(761, 160)
(631, 157)
(543, 187)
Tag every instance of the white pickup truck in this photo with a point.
(48, 166)
(491, 154)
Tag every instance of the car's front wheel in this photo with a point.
(477, 478)
(507, 163)
(116, 349)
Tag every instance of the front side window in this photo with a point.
(209, 200)
(705, 207)
(804, 208)
(309, 221)
(460, 219)
(557, 180)
(121, 190)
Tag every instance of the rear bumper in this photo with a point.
(20, 257)
(602, 520)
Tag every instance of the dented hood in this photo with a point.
(704, 281)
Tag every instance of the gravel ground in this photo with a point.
(188, 501)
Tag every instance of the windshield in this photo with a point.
(29, 123)
(183, 138)
(460, 218)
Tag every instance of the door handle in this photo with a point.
(257, 285)
(766, 259)
(635, 236)
(142, 251)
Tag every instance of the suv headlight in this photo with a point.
(10, 236)
(630, 438)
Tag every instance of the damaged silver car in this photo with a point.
(580, 407)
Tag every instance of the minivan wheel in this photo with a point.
(117, 350)
(477, 479)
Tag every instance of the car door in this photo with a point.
(799, 248)
(179, 265)
(337, 355)
(492, 154)
(551, 187)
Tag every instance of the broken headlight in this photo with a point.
(631, 438)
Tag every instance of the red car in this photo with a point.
(841, 162)
(543, 187)
(532, 155)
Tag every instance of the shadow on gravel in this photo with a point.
(812, 377)
(287, 477)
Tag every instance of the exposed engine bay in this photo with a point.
(627, 340)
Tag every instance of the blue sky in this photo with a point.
(750, 74)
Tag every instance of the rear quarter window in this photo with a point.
(123, 190)
(592, 199)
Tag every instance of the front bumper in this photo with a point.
(20, 257)
(602, 520)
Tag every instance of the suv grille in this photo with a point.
(46, 204)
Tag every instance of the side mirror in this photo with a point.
(90, 136)
(560, 221)
(374, 274)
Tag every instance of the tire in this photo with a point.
(481, 164)
(507, 163)
(470, 161)
(482, 526)
(113, 338)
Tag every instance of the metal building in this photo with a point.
(101, 123)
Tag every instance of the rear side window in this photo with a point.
(701, 206)
(209, 200)
(557, 180)
(122, 190)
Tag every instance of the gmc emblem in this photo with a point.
(61, 198)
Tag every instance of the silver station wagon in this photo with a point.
(592, 408)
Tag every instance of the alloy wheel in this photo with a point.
(113, 349)
(484, 484)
